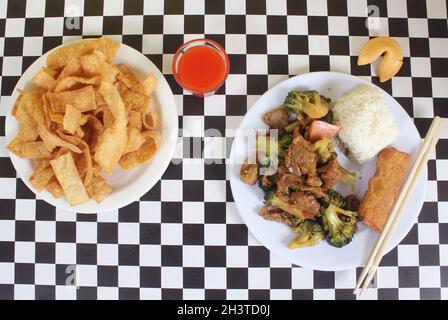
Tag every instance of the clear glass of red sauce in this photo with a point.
(201, 66)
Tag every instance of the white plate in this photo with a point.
(127, 185)
(274, 236)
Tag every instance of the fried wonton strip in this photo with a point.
(39, 164)
(40, 178)
(55, 188)
(81, 166)
(153, 136)
(60, 152)
(73, 68)
(95, 65)
(100, 109)
(135, 140)
(79, 133)
(65, 171)
(83, 120)
(150, 120)
(98, 188)
(92, 130)
(60, 57)
(82, 99)
(148, 85)
(133, 159)
(72, 119)
(136, 101)
(44, 80)
(53, 140)
(46, 110)
(26, 134)
(96, 169)
(127, 78)
(69, 83)
(99, 101)
(58, 126)
(88, 161)
(108, 118)
(135, 119)
(74, 140)
(17, 103)
(32, 104)
(108, 47)
(94, 122)
(51, 72)
(30, 150)
(84, 164)
(20, 113)
(112, 141)
(57, 117)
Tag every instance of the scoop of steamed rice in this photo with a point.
(367, 124)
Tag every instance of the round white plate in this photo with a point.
(127, 185)
(275, 236)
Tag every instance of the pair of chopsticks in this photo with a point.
(394, 218)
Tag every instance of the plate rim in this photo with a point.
(136, 195)
(232, 181)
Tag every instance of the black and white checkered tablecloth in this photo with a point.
(184, 239)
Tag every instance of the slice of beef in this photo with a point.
(313, 181)
(301, 159)
(273, 213)
(306, 202)
(317, 192)
(330, 174)
(289, 181)
(281, 170)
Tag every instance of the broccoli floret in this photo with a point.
(324, 149)
(309, 232)
(339, 225)
(272, 199)
(309, 102)
(295, 100)
(336, 198)
(295, 221)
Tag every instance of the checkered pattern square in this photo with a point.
(184, 239)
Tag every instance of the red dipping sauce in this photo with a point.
(201, 66)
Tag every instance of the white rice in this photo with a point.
(367, 124)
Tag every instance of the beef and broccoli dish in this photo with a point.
(297, 167)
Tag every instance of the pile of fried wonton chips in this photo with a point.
(85, 117)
